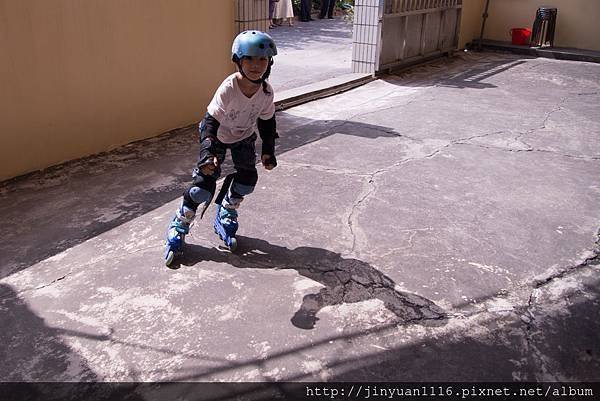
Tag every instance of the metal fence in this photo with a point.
(252, 14)
(406, 7)
(390, 34)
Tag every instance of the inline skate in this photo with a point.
(178, 229)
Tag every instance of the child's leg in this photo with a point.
(243, 154)
(244, 180)
(198, 195)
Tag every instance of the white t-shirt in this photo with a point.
(237, 113)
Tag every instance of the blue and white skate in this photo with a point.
(226, 226)
(178, 229)
(175, 240)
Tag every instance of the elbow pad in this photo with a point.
(209, 126)
(268, 133)
(208, 135)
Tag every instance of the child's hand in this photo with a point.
(209, 166)
(268, 161)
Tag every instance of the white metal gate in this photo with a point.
(393, 33)
(387, 34)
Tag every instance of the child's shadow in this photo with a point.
(345, 280)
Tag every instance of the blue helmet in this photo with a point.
(253, 44)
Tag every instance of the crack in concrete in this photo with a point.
(49, 284)
(529, 318)
(372, 177)
(544, 122)
(579, 157)
(351, 221)
(525, 314)
(538, 358)
(594, 259)
(518, 138)
(326, 169)
(354, 209)
(86, 265)
(464, 141)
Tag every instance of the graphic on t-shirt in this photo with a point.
(233, 115)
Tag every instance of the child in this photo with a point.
(243, 103)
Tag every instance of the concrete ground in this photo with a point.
(311, 52)
(438, 225)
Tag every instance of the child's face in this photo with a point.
(255, 67)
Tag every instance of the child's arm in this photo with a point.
(268, 133)
(207, 162)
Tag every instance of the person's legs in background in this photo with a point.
(330, 9)
(305, 8)
(271, 13)
(327, 8)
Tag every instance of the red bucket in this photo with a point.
(520, 36)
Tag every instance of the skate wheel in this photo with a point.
(169, 258)
(232, 244)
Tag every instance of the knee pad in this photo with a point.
(198, 194)
(240, 190)
(243, 184)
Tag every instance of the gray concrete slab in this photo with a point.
(437, 225)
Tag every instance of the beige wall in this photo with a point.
(470, 25)
(577, 23)
(81, 77)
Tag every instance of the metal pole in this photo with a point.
(485, 15)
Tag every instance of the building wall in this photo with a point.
(577, 22)
(82, 77)
(470, 26)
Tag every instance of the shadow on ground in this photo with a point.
(470, 78)
(510, 351)
(38, 365)
(344, 280)
(23, 335)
